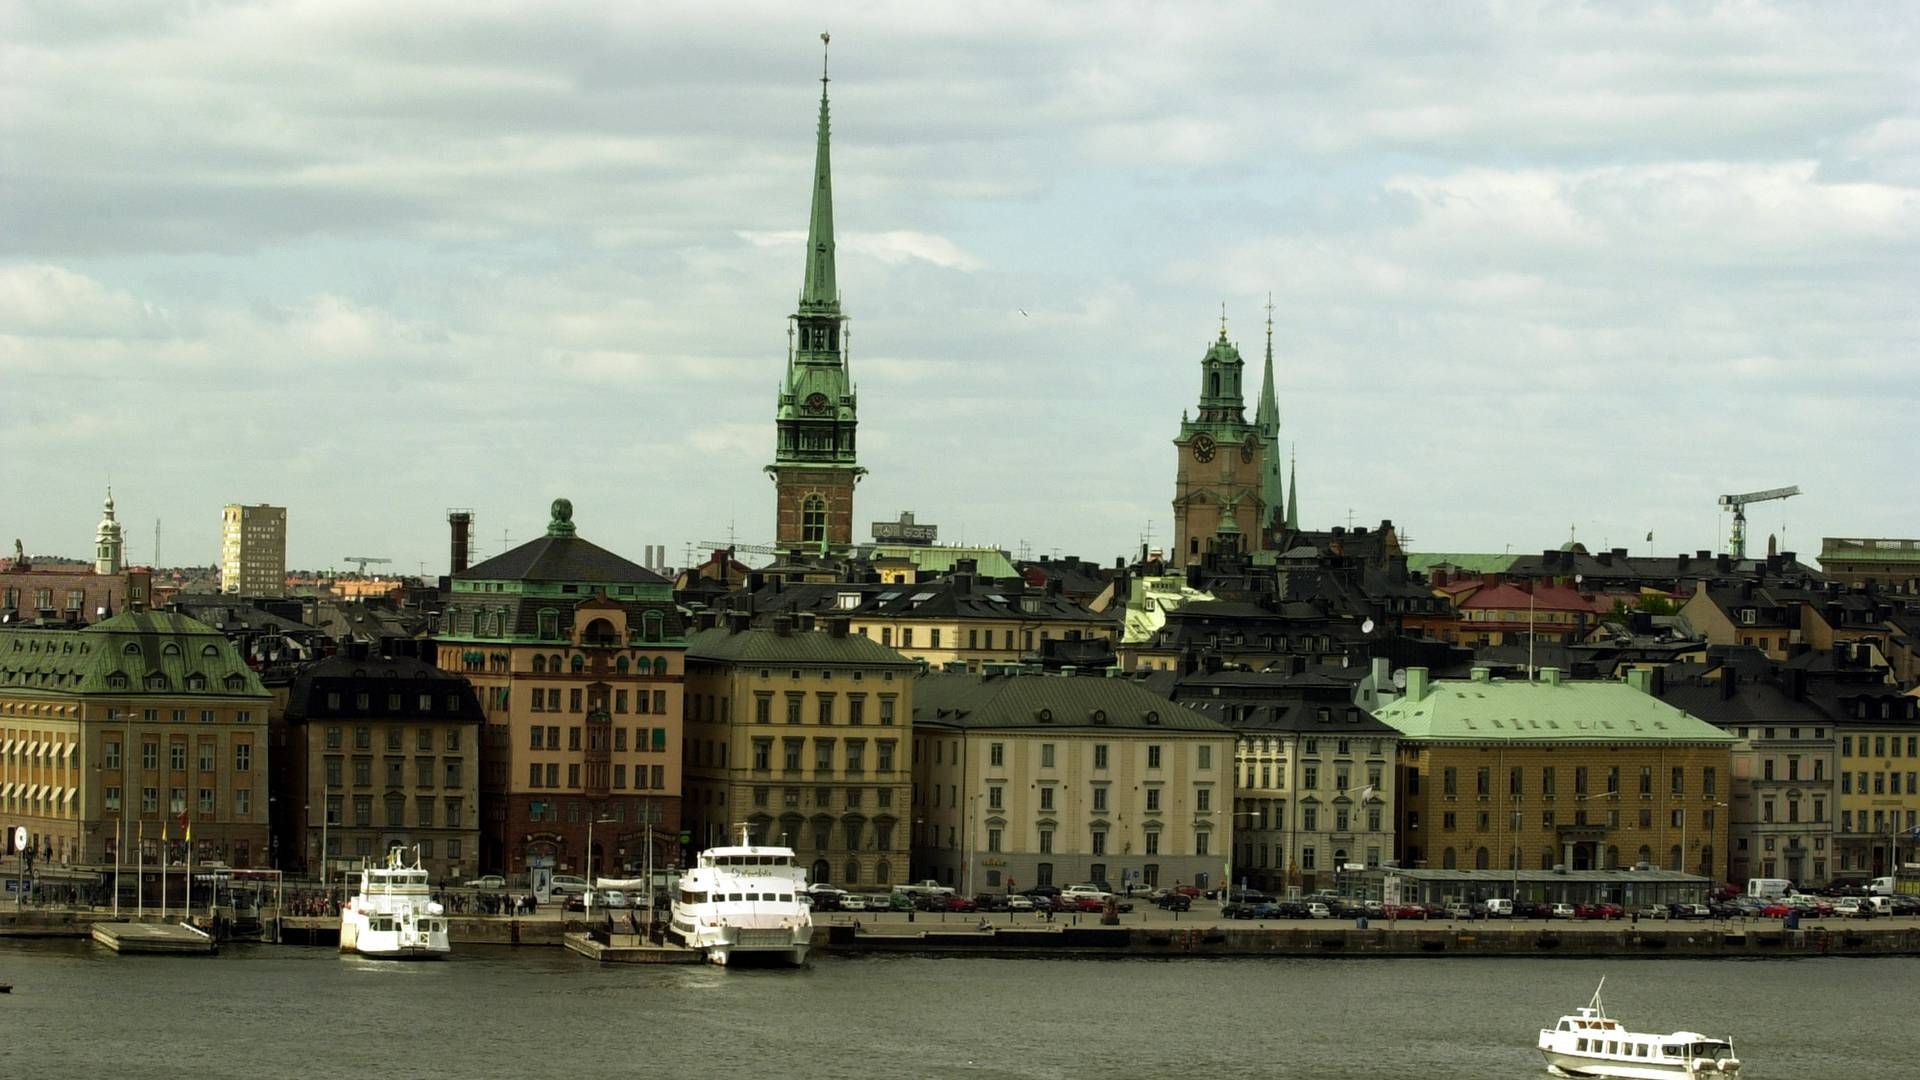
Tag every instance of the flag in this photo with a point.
(1649, 538)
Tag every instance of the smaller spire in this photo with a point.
(1223, 320)
(1293, 488)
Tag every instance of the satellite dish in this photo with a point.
(1400, 679)
(1367, 627)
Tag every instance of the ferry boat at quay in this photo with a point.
(744, 902)
(1592, 1044)
(394, 916)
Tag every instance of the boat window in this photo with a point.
(1582, 1046)
(1671, 1051)
(1613, 1047)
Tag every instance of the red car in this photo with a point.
(1407, 911)
(1598, 911)
(1775, 910)
(962, 903)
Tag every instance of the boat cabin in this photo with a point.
(1601, 1037)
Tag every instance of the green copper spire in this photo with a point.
(1266, 420)
(1293, 493)
(821, 293)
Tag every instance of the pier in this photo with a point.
(630, 949)
(172, 939)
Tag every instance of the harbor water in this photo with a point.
(266, 1011)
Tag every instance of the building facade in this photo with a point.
(815, 463)
(385, 753)
(253, 550)
(128, 730)
(1024, 780)
(1218, 483)
(577, 656)
(1893, 565)
(1503, 775)
(803, 737)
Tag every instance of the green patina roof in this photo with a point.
(1461, 710)
(156, 652)
(813, 647)
(1470, 562)
(990, 562)
(1070, 702)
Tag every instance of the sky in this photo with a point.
(1536, 270)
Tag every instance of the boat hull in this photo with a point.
(1580, 1065)
(739, 946)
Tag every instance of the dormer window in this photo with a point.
(1748, 616)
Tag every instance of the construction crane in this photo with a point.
(1737, 539)
(750, 549)
(363, 561)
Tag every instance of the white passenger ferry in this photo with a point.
(393, 915)
(1590, 1043)
(744, 902)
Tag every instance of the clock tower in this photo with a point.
(1218, 500)
(814, 466)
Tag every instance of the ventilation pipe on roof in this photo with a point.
(1418, 682)
(1637, 679)
(1550, 676)
(1478, 674)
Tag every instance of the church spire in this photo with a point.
(1293, 493)
(1266, 420)
(821, 292)
(1267, 416)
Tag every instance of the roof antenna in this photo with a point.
(1223, 320)
(824, 39)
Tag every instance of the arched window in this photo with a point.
(1546, 858)
(1213, 384)
(210, 650)
(659, 665)
(620, 664)
(1613, 857)
(579, 662)
(170, 649)
(1481, 860)
(539, 664)
(1447, 860)
(853, 872)
(1645, 856)
(553, 663)
(822, 873)
(883, 873)
(1676, 859)
(813, 520)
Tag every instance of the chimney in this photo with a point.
(1638, 679)
(460, 524)
(838, 627)
(783, 625)
(1417, 682)
(1723, 563)
(1550, 676)
(1680, 564)
(805, 623)
(1729, 681)
(739, 622)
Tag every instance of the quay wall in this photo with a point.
(1444, 942)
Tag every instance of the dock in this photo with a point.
(631, 949)
(169, 939)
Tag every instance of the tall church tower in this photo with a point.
(107, 546)
(814, 467)
(1218, 500)
(1266, 420)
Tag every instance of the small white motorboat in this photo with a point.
(1591, 1044)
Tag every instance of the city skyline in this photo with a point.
(556, 260)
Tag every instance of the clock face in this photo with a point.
(1247, 450)
(816, 403)
(1203, 448)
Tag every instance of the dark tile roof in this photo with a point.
(379, 677)
(771, 647)
(1079, 703)
(561, 558)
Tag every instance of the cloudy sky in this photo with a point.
(1533, 266)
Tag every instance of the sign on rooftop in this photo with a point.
(904, 531)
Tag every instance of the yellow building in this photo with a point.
(802, 736)
(1024, 780)
(1879, 765)
(113, 735)
(253, 550)
(1503, 775)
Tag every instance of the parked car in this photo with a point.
(1019, 902)
(850, 902)
(990, 902)
(1459, 910)
(1044, 890)
(961, 903)
(1085, 892)
(1408, 911)
(933, 901)
(1560, 911)
(1318, 910)
(608, 898)
(1176, 902)
(489, 881)
(568, 885)
(1688, 911)
(1776, 910)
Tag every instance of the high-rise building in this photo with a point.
(253, 550)
(814, 465)
(1218, 501)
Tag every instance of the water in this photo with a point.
(264, 1011)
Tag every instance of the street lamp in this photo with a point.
(1685, 820)
(590, 866)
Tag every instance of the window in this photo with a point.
(1100, 756)
(1202, 800)
(1200, 843)
(1046, 798)
(1153, 800)
(1449, 781)
(886, 709)
(177, 756)
(242, 757)
(813, 520)
(997, 755)
(1153, 756)
(1099, 798)
(1046, 839)
(1046, 755)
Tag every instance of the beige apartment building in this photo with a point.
(113, 735)
(802, 736)
(1025, 780)
(253, 550)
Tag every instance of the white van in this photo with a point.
(1879, 905)
(1768, 888)
(1880, 886)
(1498, 908)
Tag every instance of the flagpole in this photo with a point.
(140, 870)
(119, 841)
(186, 909)
(163, 869)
